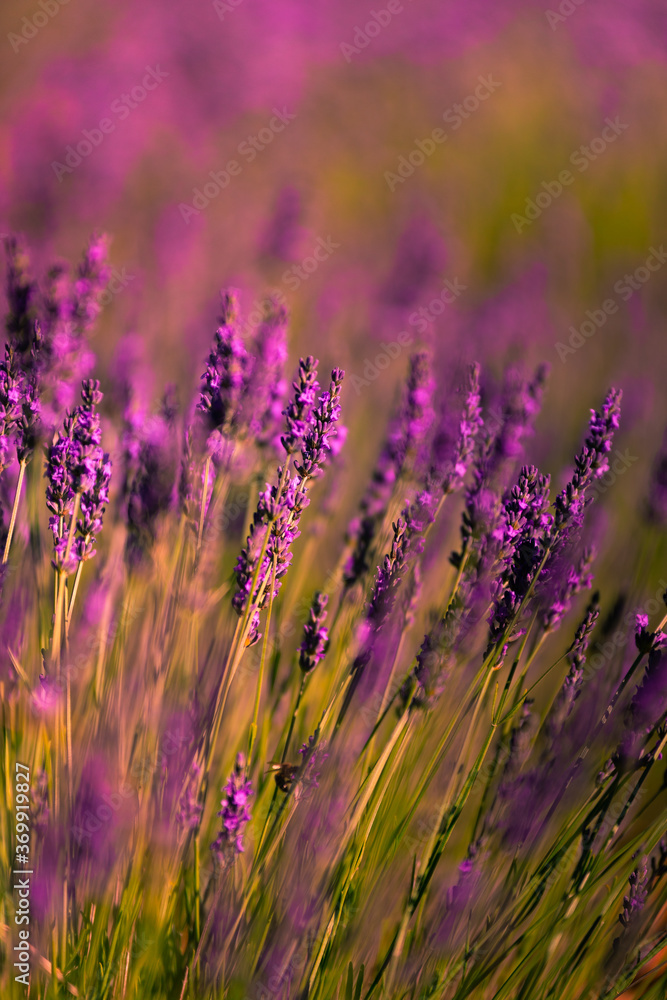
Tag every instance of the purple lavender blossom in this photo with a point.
(29, 424)
(151, 486)
(235, 815)
(267, 386)
(12, 394)
(645, 640)
(299, 409)
(77, 465)
(317, 440)
(315, 635)
(280, 506)
(408, 427)
(634, 902)
(568, 694)
(520, 403)
(69, 309)
(577, 578)
(20, 297)
(91, 279)
(526, 525)
(469, 427)
(226, 372)
(591, 463)
(644, 711)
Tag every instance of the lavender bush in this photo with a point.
(294, 754)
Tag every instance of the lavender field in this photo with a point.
(333, 500)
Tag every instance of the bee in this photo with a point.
(284, 774)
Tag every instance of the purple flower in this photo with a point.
(91, 280)
(267, 386)
(469, 428)
(12, 398)
(77, 465)
(316, 442)
(577, 578)
(315, 635)
(525, 528)
(520, 403)
(235, 814)
(646, 640)
(299, 410)
(69, 309)
(568, 694)
(407, 428)
(591, 463)
(634, 902)
(280, 506)
(150, 486)
(20, 297)
(226, 371)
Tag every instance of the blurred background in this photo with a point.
(391, 171)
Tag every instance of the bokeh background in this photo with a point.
(361, 98)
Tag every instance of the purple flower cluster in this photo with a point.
(407, 428)
(150, 480)
(519, 405)
(634, 902)
(226, 372)
(315, 635)
(69, 309)
(266, 400)
(275, 523)
(234, 814)
(298, 413)
(525, 527)
(469, 428)
(591, 463)
(12, 399)
(77, 467)
(568, 694)
(577, 578)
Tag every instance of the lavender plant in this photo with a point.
(268, 760)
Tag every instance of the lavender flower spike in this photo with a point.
(577, 578)
(315, 635)
(469, 428)
(225, 375)
(633, 903)
(234, 814)
(267, 386)
(76, 464)
(591, 463)
(12, 390)
(408, 427)
(298, 411)
(317, 443)
(280, 506)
